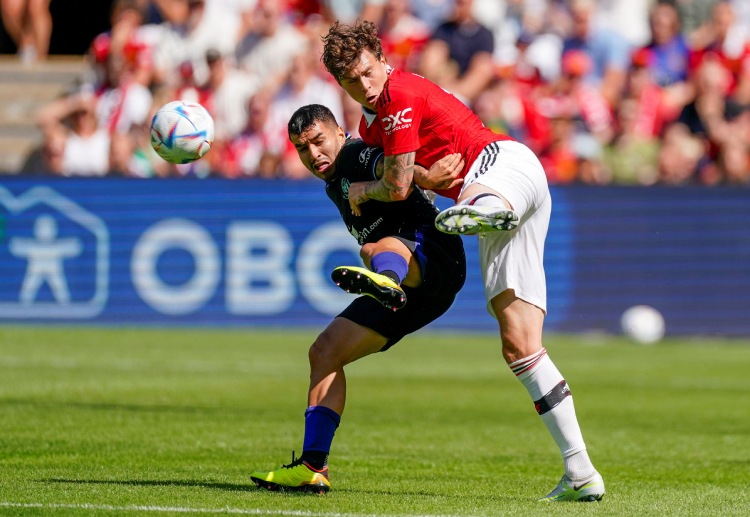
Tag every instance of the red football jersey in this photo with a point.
(415, 114)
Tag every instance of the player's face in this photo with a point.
(364, 82)
(318, 147)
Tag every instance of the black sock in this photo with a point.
(391, 274)
(316, 459)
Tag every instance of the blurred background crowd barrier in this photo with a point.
(231, 253)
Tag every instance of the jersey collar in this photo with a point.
(370, 116)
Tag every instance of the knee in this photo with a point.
(520, 340)
(512, 347)
(367, 251)
(520, 326)
(323, 354)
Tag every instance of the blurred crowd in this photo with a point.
(635, 92)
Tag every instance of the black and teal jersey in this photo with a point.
(440, 256)
(357, 162)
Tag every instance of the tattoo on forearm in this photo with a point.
(396, 181)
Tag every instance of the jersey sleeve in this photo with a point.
(358, 161)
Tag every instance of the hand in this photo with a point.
(442, 175)
(357, 196)
(710, 107)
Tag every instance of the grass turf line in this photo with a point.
(103, 421)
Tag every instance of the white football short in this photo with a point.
(514, 259)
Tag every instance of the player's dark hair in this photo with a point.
(306, 116)
(343, 45)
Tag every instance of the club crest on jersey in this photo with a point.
(345, 187)
(401, 120)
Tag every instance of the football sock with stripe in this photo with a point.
(554, 403)
(390, 264)
(320, 425)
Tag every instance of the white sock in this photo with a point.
(546, 385)
(484, 199)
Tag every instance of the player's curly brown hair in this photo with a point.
(343, 45)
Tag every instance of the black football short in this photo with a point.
(443, 263)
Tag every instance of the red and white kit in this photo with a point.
(415, 115)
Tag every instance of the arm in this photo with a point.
(52, 116)
(477, 77)
(394, 185)
(444, 173)
(436, 64)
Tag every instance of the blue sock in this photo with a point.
(389, 261)
(320, 425)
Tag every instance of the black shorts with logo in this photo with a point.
(443, 263)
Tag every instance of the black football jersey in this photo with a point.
(357, 162)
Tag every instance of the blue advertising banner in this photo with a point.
(254, 252)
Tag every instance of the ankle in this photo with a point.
(318, 460)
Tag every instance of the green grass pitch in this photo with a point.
(170, 422)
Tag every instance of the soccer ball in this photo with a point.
(643, 324)
(182, 132)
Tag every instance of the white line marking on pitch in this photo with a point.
(178, 509)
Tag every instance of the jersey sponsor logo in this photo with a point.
(400, 120)
(345, 187)
(362, 236)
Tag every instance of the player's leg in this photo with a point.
(390, 264)
(341, 343)
(521, 333)
(515, 284)
(393, 258)
(480, 209)
(364, 327)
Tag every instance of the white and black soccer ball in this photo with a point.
(182, 132)
(643, 324)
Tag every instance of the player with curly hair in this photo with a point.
(501, 193)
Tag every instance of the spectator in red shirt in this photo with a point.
(254, 152)
(728, 42)
(574, 119)
(403, 35)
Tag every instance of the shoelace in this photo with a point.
(294, 463)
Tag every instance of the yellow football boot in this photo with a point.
(359, 280)
(298, 476)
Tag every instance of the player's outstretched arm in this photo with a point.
(394, 185)
(444, 173)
